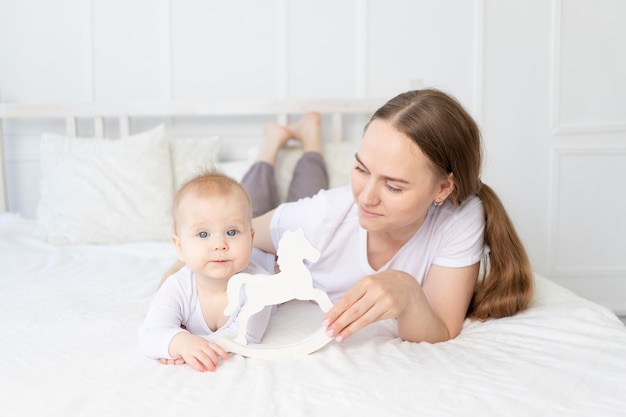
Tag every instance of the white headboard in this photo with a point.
(124, 112)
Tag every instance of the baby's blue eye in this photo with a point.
(203, 234)
(231, 232)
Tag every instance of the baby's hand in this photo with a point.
(196, 351)
(168, 361)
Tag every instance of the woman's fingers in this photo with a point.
(349, 314)
(374, 298)
(355, 318)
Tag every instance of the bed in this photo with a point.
(75, 285)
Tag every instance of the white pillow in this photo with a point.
(234, 169)
(105, 190)
(191, 156)
(339, 158)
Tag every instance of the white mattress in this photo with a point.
(69, 333)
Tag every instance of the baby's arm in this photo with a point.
(163, 321)
(196, 351)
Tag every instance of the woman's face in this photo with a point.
(393, 182)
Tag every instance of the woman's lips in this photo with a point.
(367, 213)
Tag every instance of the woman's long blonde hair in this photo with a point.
(448, 135)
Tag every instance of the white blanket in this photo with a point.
(69, 319)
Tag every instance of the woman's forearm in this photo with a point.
(418, 323)
(436, 310)
(262, 235)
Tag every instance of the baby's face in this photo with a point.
(214, 234)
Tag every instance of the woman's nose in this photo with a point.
(369, 193)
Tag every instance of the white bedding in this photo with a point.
(69, 332)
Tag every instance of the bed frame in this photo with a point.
(71, 313)
(98, 113)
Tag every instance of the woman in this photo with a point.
(406, 239)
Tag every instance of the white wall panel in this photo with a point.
(322, 52)
(43, 56)
(589, 42)
(129, 52)
(588, 215)
(516, 124)
(225, 49)
(587, 239)
(427, 41)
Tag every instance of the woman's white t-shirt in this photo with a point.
(451, 236)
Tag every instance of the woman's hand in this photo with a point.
(376, 297)
(433, 312)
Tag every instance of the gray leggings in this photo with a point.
(309, 176)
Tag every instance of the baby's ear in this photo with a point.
(179, 251)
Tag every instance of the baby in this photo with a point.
(213, 236)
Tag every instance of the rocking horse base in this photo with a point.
(309, 345)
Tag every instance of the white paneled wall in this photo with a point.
(589, 47)
(587, 240)
(546, 80)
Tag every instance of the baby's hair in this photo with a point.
(209, 183)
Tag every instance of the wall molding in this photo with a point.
(479, 61)
(282, 48)
(558, 152)
(559, 128)
(362, 41)
(167, 81)
(89, 87)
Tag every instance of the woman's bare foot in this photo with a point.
(275, 137)
(308, 131)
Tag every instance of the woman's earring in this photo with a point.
(438, 202)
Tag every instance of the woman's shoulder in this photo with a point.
(471, 206)
(336, 199)
(322, 212)
(336, 194)
(333, 198)
(470, 214)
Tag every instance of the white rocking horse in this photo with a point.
(294, 281)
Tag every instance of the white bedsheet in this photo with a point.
(69, 319)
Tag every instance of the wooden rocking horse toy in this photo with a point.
(293, 282)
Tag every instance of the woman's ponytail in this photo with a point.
(507, 284)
